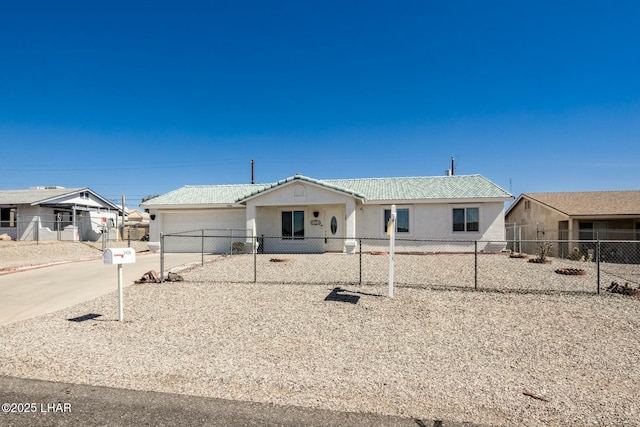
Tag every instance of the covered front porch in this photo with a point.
(304, 228)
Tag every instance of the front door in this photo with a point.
(333, 229)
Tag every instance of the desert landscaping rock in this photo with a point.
(494, 357)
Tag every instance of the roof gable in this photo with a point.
(298, 178)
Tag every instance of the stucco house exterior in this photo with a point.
(57, 213)
(306, 215)
(591, 215)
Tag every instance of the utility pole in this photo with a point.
(252, 171)
(122, 225)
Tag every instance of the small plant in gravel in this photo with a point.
(544, 248)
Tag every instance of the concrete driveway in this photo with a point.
(39, 291)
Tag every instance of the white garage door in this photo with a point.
(221, 228)
(204, 220)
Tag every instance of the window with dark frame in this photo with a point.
(402, 220)
(466, 219)
(293, 225)
(8, 217)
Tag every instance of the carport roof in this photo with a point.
(371, 189)
(33, 195)
(45, 195)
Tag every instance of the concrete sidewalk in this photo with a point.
(62, 404)
(38, 291)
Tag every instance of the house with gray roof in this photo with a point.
(57, 213)
(586, 215)
(300, 214)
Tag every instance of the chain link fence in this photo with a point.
(59, 228)
(523, 238)
(233, 256)
(188, 249)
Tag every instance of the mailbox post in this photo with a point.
(119, 256)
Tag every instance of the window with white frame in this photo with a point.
(402, 220)
(466, 219)
(293, 225)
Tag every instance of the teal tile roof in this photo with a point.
(424, 187)
(371, 189)
(205, 194)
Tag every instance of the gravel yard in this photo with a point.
(23, 254)
(452, 271)
(430, 352)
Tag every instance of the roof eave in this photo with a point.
(604, 216)
(437, 201)
(180, 206)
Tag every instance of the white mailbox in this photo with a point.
(119, 256)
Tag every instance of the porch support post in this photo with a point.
(76, 234)
(351, 244)
(250, 215)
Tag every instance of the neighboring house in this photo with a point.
(56, 213)
(136, 225)
(593, 215)
(307, 215)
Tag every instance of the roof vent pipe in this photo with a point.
(252, 171)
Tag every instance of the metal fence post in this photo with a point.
(360, 261)
(202, 247)
(475, 265)
(161, 257)
(598, 254)
(255, 258)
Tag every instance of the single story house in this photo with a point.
(57, 213)
(590, 215)
(300, 214)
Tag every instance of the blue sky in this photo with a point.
(143, 97)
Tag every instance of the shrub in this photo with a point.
(544, 248)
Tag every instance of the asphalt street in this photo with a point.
(43, 403)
